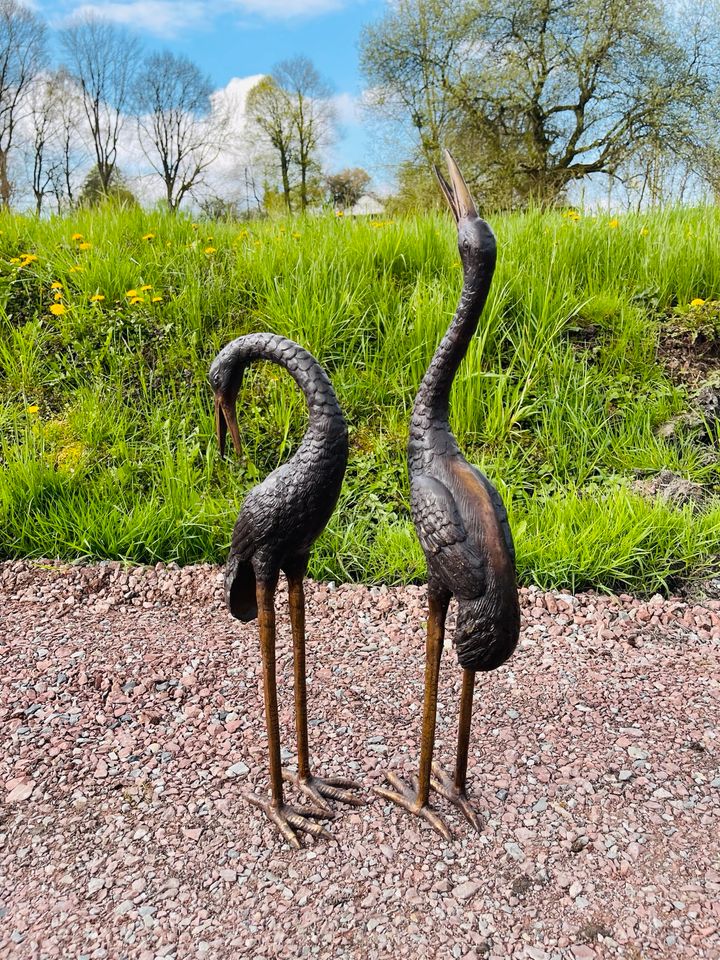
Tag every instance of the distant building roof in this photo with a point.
(366, 206)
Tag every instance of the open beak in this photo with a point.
(226, 419)
(456, 192)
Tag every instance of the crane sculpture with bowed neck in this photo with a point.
(462, 526)
(279, 521)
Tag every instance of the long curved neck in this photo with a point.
(432, 402)
(324, 413)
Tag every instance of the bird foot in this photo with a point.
(407, 797)
(448, 789)
(289, 820)
(317, 789)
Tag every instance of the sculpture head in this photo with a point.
(476, 241)
(226, 377)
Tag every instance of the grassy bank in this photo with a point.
(106, 433)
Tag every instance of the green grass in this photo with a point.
(120, 458)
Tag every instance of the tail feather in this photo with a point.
(240, 594)
(483, 640)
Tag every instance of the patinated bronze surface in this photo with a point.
(462, 526)
(279, 521)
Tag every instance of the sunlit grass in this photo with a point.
(106, 433)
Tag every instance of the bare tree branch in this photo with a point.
(103, 59)
(179, 134)
(22, 56)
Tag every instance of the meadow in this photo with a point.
(109, 321)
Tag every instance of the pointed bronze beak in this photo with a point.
(226, 419)
(456, 192)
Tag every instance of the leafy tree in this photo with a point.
(293, 112)
(347, 186)
(270, 112)
(414, 59)
(95, 191)
(535, 94)
(312, 113)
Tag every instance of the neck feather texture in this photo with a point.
(324, 410)
(432, 402)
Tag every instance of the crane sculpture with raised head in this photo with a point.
(279, 521)
(462, 526)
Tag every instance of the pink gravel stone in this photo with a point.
(23, 791)
(163, 856)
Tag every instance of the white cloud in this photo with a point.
(346, 107)
(286, 9)
(168, 18)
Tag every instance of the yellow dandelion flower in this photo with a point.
(146, 286)
(296, 236)
(76, 268)
(339, 213)
(76, 236)
(131, 293)
(58, 309)
(58, 294)
(33, 408)
(148, 236)
(137, 300)
(697, 302)
(613, 224)
(644, 232)
(56, 285)
(157, 299)
(86, 245)
(29, 258)
(97, 297)
(14, 259)
(194, 226)
(210, 250)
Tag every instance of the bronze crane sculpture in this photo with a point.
(279, 521)
(462, 526)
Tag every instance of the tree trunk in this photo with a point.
(5, 188)
(303, 186)
(105, 172)
(285, 179)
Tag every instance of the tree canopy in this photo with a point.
(535, 94)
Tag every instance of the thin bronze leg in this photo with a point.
(266, 622)
(286, 818)
(433, 653)
(466, 700)
(416, 801)
(315, 788)
(296, 597)
(455, 790)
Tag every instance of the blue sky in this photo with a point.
(239, 38)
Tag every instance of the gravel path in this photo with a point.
(131, 718)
